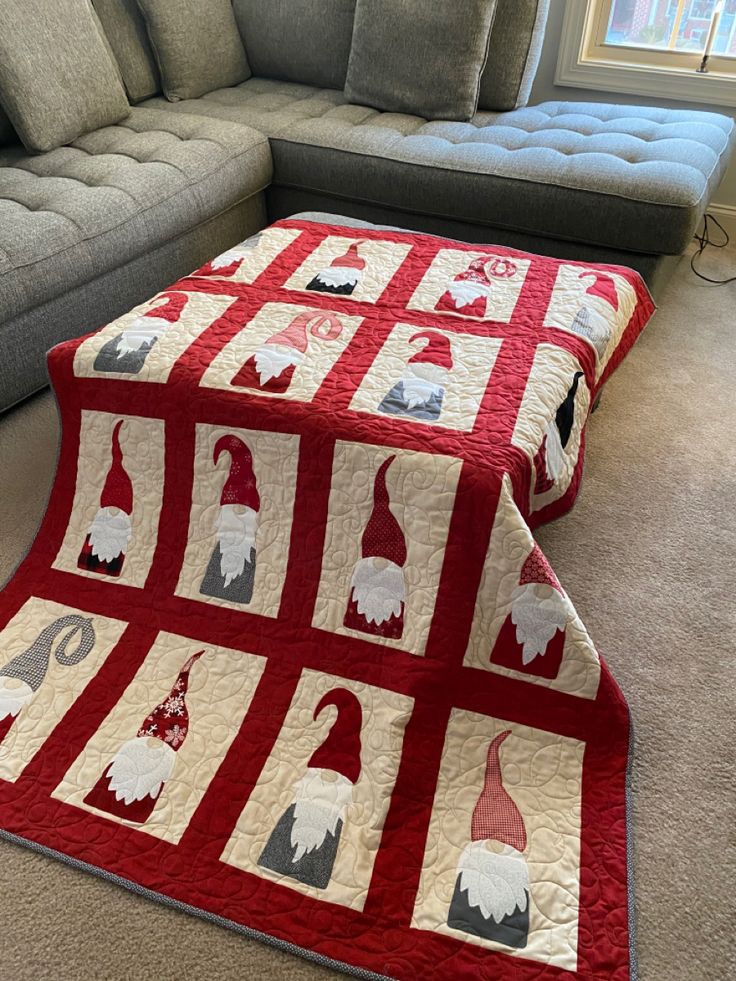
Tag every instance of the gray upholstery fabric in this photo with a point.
(286, 202)
(197, 45)
(513, 54)
(418, 57)
(125, 29)
(297, 40)
(629, 178)
(7, 133)
(56, 83)
(25, 339)
(73, 214)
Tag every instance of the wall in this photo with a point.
(724, 201)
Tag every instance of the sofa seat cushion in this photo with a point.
(79, 211)
(632, 178)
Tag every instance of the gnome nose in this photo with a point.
(380, 563)
(12, 683)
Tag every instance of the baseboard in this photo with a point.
(726, 215)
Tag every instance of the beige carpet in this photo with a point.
(648, 558)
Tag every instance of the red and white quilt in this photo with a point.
(285, 650)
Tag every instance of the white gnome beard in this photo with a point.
(338, 276)
(466, 291)
(378, 589)
(497, 883)
(272, 360)
(141, 332)
(14, 695)
(555, 455)
(538, 611)
(140, 769)
(236, 536)
(319, 803)
(109, 533)
(421, 382)
(226, 259)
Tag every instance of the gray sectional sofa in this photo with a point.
(91, 228)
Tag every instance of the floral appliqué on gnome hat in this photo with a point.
(134, 779)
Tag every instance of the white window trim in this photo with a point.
(579, 71)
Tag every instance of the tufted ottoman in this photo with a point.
(601, 182)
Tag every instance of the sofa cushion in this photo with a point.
(77, 212)
(56, 82)
(513, 54)
(630, 178)
(297, 40)
(126, 31)
(418, 57)
(197, 45)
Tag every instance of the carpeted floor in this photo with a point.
(647, 556)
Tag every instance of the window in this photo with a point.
(651, 47)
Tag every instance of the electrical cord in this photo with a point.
(704, 240)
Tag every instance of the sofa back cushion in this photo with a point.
(298, 40)
(196, 44)
(57, 76)
(420, 58)
(126, 31)
(513, 54)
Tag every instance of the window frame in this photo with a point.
(584, 61)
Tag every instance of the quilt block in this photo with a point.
(286, 652)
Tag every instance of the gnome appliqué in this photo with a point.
(303, 845)
(232, 567)
(133, 780)
(532, 638)
(22, 676)
(472, 288)
(420, 392)
(272, 366)
(127, 352)
(109, 534)
(550, 459)
(342, 275)
(491, 898)
(227, 263)
(587, 322)
(377, 587)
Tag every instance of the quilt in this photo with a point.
(285, 652)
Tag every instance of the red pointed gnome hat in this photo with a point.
(478, 270)
(437, 351)
(294, 336)
(169, 721)
(315, 322)
(602, 285)
(117, 491)
(350, 259)
(383, 537)
(496, 816)
(240, 486)
(536, 568)
(340, 750)
(171, 309)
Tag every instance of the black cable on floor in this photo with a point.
(704, 241)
